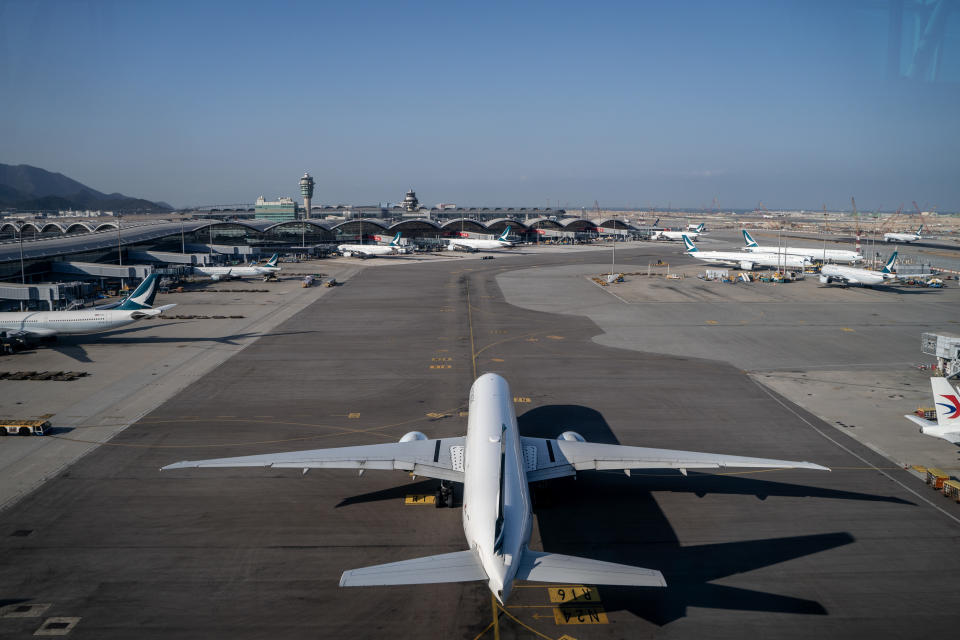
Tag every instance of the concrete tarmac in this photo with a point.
(249, 553)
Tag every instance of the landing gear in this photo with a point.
(444, 495)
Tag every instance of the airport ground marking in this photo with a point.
(441, 366)
(521, 399)
(353, 416)
(573, 594)
(473, 351)
(848, 330)
(497, 360)
(420, 499)
(593, 614)
(525, 626)
(854, 454)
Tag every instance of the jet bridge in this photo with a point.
(946, 348)
(97, 270)
(168, 257)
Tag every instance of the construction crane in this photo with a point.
(826, 225)
(886, 225)
(596, 207)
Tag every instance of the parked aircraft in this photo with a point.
(903, 237)
(695, 227)
(229, 273)
(495, 464)
(744, 260)
(372, 250)
(852, 275)
(677, 235)
(46, 324)
(947, 402)
(475, 244)
(825, 255)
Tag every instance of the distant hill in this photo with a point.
(31, 188)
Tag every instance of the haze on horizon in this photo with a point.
(795, 104)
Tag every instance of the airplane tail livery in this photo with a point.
(749, 239)
(506, 232)
(919, 230)
(396, 240)
(272, 262)
(142, 297)
(888, 268)
(947, 400)
(691, 248)
(700, 227)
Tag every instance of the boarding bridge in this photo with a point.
(946, 348)
(54, 296)
(97, 270)
(222, 249)
(168, 257)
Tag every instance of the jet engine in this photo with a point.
(824, 279)
(746, 265)
(413, 435)
(571, 436)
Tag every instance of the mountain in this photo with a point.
(31, 188)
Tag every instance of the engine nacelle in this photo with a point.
(824, 279)
(413, 435)
(571, 436)
(746, 265)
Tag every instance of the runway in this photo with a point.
(861, 551)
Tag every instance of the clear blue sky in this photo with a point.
(792, 103)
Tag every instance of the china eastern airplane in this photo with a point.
(495, 464)
(947, 402)
(475, 244)
(830, 273)
(744, 260)
(826, 255)
(903, 237)
(229, 273)
(372, 250)
(678, 235)
(46, 324)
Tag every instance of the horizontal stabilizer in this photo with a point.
(460, 566)
(554, 567)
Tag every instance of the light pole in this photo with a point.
(183, 242)
(119, 248)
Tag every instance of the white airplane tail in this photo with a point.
(947, 401)
(748, 239)
(691, 248)
(888, 268)
(919, 231)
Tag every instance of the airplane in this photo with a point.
(853, 275)
(744, 260)
(695, 227)
(903, 237)
(48, 324)
(495, 464)
(947, 425)
(475, 244)
(228, 273)
(372, 250)
(834, 255)
(663, 234)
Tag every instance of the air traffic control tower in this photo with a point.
(306, 190)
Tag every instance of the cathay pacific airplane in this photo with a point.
(903, 237)
(830, 273)
(678, 235)
(372, 250)
(495, 464)
(228, 273)
(826, 255)
(45, 324)
(746, 260)
(947, 402)
(476, 244)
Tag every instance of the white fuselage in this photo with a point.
(493, 465)
(853, 275)
(236, 272)
(749, 260)
(901, 237)
(475, 243)
(51, 323)
(675, 235)
(370, 249)
(828, 255)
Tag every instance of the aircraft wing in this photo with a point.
(428, 458)
(460, 566)
(554, 567)
(557, 458)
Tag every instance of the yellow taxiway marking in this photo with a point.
(420, 498)
(580, 615)
(443, 350)
(464, 414)
(711, 322)
(353, 416)
(574, 594)
(445, 310)
(555, 337)
(441, 366)
(848, 330)
(498, 332)
(442, 359)
(437, 415)
(521, 399)
(533, 339)
(497, 359)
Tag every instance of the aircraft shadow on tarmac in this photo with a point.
(73, 346)
(887, 289)
(608, 516)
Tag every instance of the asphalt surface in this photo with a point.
(864, 551)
